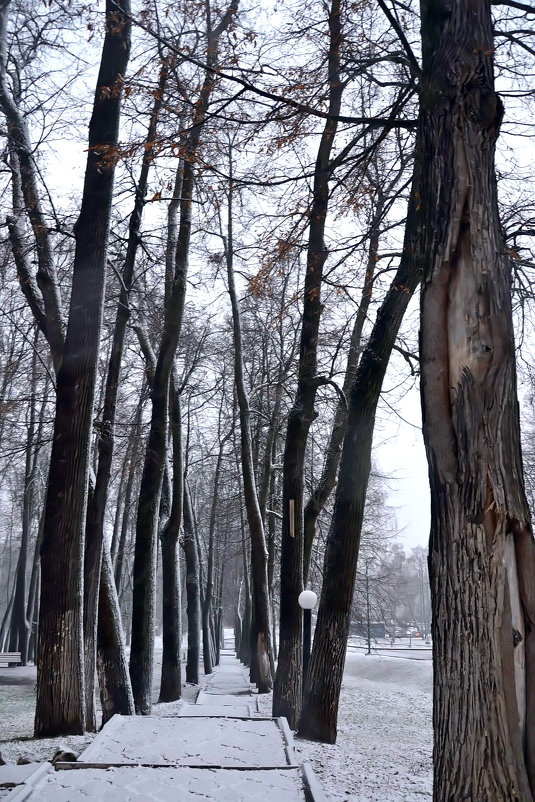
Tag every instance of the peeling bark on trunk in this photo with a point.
(60, 707)
(482, 554)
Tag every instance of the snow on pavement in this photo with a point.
(384, 746)
(383, 752)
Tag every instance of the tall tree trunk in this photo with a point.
(245, 646)
(193, 598)
(262, 654)
(207, 607)
(19, 622)
(318, 719)
(482, 552)
(60, 705)
(143, 598)
(327, 480)
(287, 688)
(171, 682)
(112, 667)
(125, 522)
(94, 532)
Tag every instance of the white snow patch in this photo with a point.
(383, 751)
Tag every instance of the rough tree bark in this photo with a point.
(287, 687)
(482, 553)
(60, 679)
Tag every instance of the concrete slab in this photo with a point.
(216, 742)
(229, 711)
(207, 697)
(12, 775)
(139, 784)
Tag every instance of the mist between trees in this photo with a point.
(215, 216)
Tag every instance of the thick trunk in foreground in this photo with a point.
(287, 688)
(482, 554)
(322, 691)
(60, 705)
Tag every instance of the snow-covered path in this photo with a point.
(383, 752)
(162, 758)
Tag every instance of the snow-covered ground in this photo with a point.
(383, 752)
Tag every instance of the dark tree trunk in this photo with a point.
(112, 667)
(318, 719)
(245, 647)
(171, 681)
(143, 597)
(94, 532)
(127, 507)
(207, 607)
(60, 705)
(261, 652)
(327, 480)
(482, 553)
(287, 688)
(192, 593)
(19, 622)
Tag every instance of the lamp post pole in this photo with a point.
(307, 601)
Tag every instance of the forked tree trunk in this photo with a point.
(287, 689)
(482, 554)
(112, 667)
(60, 707)
(324, 678)
(325, 485)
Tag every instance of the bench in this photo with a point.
(10, 659)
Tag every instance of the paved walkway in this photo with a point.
(217, 749)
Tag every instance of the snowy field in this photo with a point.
(383, 753)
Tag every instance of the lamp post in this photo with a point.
(307, 601)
